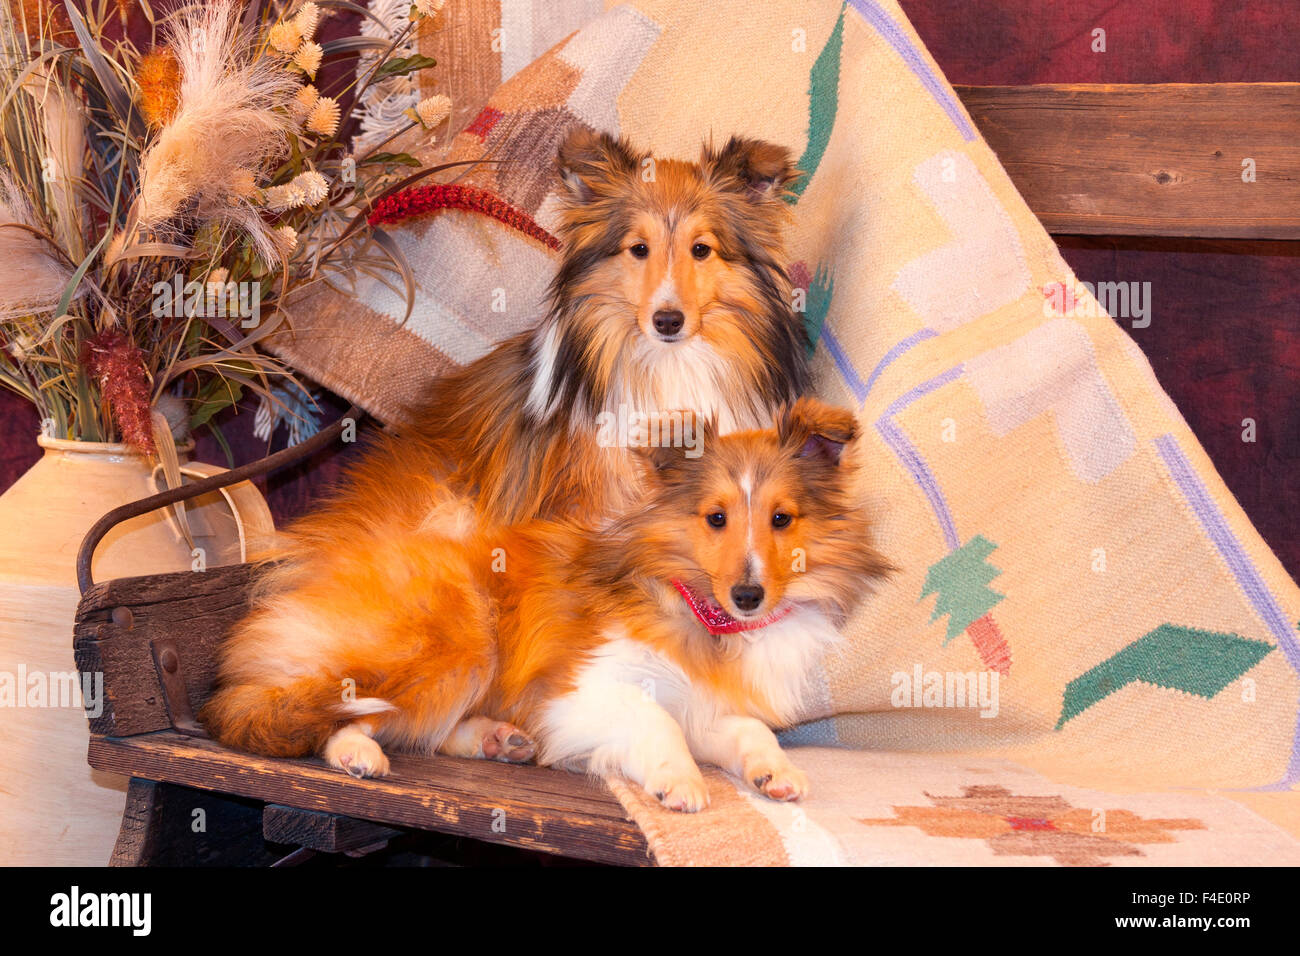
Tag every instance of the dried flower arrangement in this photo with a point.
(160, 209)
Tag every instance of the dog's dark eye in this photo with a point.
(700, 251)
(781, 519)
(716, 519)
(640, 250)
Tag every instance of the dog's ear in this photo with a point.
(673, 441)
(815, 431)
(760, 170)
(589, 162)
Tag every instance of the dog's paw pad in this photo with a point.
(686, 793)
(356, 755)
(508, 743)
(785, 782)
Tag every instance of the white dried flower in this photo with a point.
(286, 37)
(304, 101)
(308, 58)
(433, 110)
(282, 198)
(428, 8)
(288, 239)
(323, 120)
(306, 20)
(314, 186)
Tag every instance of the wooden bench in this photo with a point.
(1091, 160)
(154, 640)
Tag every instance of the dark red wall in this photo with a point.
(994, 42)
(1225, 332)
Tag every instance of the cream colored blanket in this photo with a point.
(1089, 656)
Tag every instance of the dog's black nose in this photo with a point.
(669, 322)
(747, 596)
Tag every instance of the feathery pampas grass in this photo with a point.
(232, 114)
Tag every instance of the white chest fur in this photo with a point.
(655, 377)
(626, 685)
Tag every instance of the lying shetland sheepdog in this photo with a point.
(682, 631)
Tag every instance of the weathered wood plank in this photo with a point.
(117, 620)
(1158, 160)
(168, 825)
(324, 832)
(531, 807)
(136, 837)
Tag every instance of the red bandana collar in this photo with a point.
(717, 620)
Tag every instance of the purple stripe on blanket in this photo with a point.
(934, 84)
(911, 458)
(842, 362)
(912, 461)
(925, 388)
(1229, 548)
(1245, 573)
(1293, 765)
(916, 338)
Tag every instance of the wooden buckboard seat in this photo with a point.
(1112, 160)
(154, 640)
(133, 629)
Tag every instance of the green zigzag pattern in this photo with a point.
(961, 580)
(823, 103)
(821, 287)
(1178, 658)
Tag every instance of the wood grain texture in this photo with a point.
(531, 807)
(117, 620)
(137, 836)
(54, 810)
(1149, 160)
(323, 832)
(167, 825)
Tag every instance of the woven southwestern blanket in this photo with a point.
(1089, 656)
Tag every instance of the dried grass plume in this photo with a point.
(233, 115)
(158, 76)
(34, 276)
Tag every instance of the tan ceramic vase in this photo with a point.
(54, 810)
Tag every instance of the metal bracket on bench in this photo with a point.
(167, 661)
(287, 456)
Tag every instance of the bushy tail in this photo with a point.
(292, 721)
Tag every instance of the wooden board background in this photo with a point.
(1149, 160)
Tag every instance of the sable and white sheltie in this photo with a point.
(671, 294)
(681, 631)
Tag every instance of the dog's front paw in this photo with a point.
(355, 754)
(507, 743)
(679, 789)
(776, 777)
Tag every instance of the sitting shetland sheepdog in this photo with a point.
(671, 294)
(682, 630)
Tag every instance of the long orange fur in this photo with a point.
(504, 620)
(380, 601)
